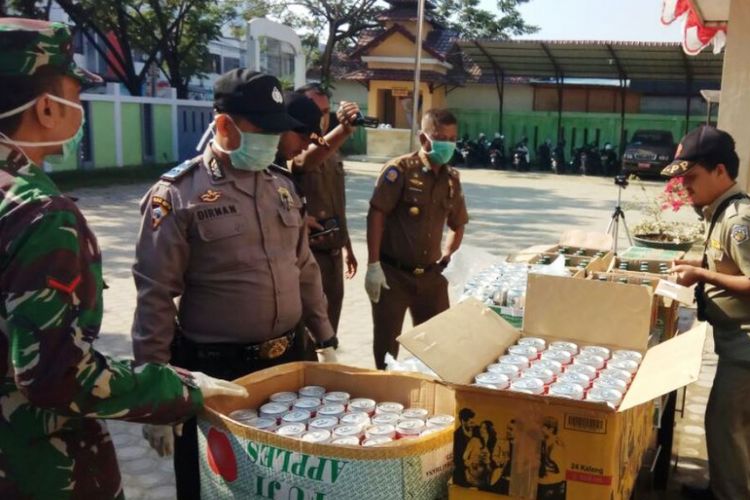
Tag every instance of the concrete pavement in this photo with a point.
(508, 211)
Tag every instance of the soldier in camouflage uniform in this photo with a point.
(54, 385)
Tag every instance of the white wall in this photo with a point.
(349, 91)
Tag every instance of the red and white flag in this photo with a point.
(696, 36)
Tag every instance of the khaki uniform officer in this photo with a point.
(414, 197)
(320, 174)
(225, 234)
(708, 164)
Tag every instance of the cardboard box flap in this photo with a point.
(582, 239)
(458, 343)
(667, 367)
(587, 311)
(672, 290)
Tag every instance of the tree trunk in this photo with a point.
(327, 58)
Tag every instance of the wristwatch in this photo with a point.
(332, 342)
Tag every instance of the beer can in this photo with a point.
(347, 441)
(296, 417)
(362, 404)
(308, 404)
(312, 391)
(389, 407)
(561, 345)
(527, 351)
(356, 418)
(419, 413)
(590, 371)
(263, 423)
(537, 342)
(612, 397)
(498, 380)
(287, 398)
(430, 430)
(377, 431)
(385, 419)
(596, 362)
(560, 355)
(579, 378)
(486, 386)
(317, 436)
(441, 421)
(410, 427)
(617, 373)
(610, 383)
(376, 441)
(540, 372)
(273, 410)
(332, 410)
(336, 397)
(566, 390)
(522, 362)
(323, 423)
(342, 431)
(510, 371)
(243, 416)
(596, 350)
(291, 430)
(529, 385)
(627, 354)
(627, 365)
(550, 364)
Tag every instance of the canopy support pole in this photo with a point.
(415, 101)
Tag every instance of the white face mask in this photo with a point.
(70, 145)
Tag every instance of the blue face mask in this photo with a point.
(255, 152)
(441, 151)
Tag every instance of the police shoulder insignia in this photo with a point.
(453, 172)
(210, 196)
(740, 233)
(392, 174)
(179, 170)
(160, 208)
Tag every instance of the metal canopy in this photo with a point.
(592, 59)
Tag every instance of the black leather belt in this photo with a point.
(333, 252)
(269, 349)
(415, 270)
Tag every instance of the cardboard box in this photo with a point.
(590, 242)
(639, 253)
(634, 266)
(560, 448)
(237, 461)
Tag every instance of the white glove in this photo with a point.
(374, 281)
(327, 355)
(210, 386)
(161, 437)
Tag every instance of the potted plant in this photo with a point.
(656, 230)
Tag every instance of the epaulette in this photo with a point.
(454, 173)
(179, 170)
(276, 169)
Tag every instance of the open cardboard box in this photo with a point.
(238, 461)
(597, 450)
(590, 242)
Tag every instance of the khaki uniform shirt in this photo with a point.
(728, 252)
(325, 194)
(231, 244)
(417, 202)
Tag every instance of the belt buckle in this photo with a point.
(272, 349)
(418, 271)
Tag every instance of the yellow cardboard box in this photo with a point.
(527, 446)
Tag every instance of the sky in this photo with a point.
(617, 20)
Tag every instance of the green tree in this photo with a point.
(33, 9)
(472, 22)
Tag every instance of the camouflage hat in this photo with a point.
(28, 44)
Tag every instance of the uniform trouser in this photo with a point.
(425, 296)
(186, 460)
(331, 265)
(728, 431)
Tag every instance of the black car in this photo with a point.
(648, 153)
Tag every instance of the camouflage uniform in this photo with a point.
(55, 386)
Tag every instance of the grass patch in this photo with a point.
(108, 176)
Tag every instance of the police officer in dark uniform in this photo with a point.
(415, 196)
(225, 234)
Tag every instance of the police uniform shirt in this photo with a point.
(417, 202)
(232, 245)
(325, 194)
(728, 252)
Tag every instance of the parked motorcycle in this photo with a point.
(497, 152)
(544, 155)
(589, 160)
(608, 158)
(558, 158)
(521, 156)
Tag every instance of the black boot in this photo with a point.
(697, 493)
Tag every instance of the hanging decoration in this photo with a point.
(696, 35)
